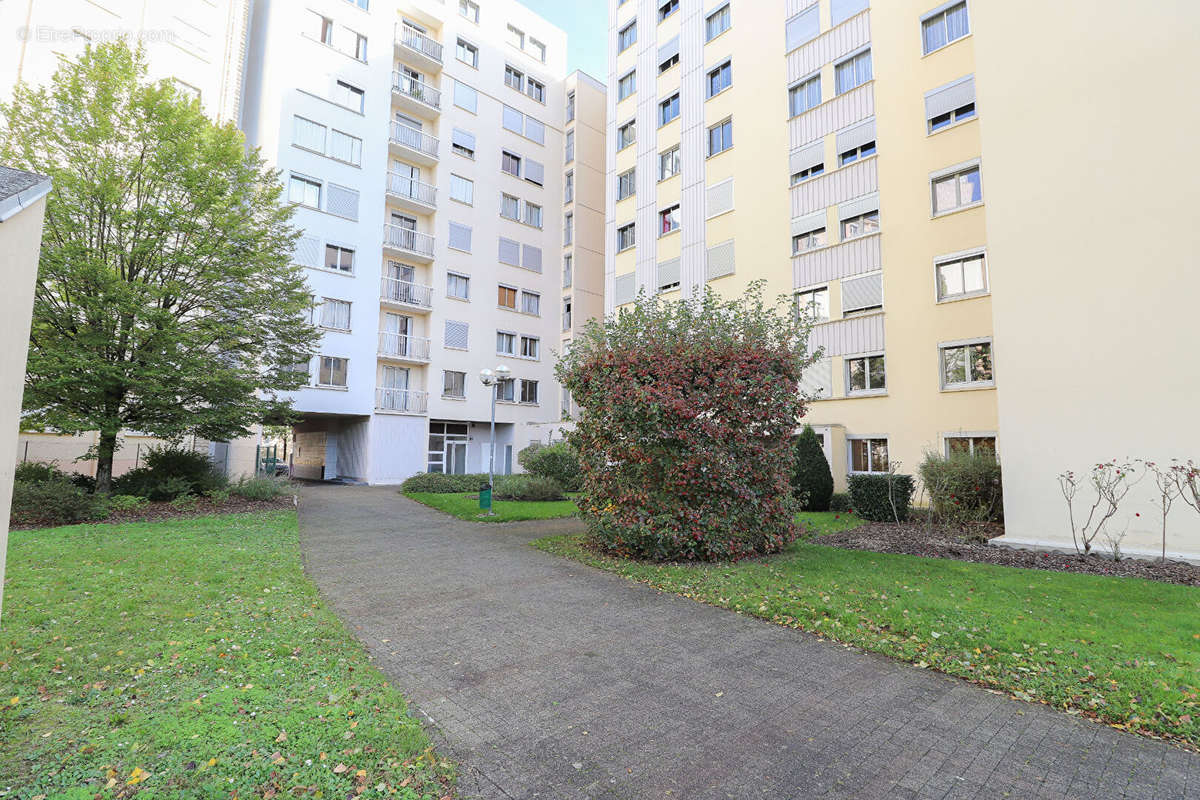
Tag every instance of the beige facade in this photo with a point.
(236, 458)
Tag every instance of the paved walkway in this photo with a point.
(547, 679)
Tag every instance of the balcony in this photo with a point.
(408, 242)
(416, 97)
(395, 292)
(418, 47)
(413, 145)
(401, 401)
(402, 347)
(411, 193)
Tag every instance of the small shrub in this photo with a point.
(127, 502)
(37, 472)
(559, 462)
(869, 496)
(261, 487)
(85, 482)
(527, 487)
(812, 482)
(963, 487)
(219, 496)
(54, 502)
(170, 472)
(840, 502)
(185, 502)
(440, 483)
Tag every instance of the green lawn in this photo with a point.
(465, 505)
(1120, 649)
(192, 659)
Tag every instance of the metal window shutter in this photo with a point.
(308, 251)
(510, 252)
(460, 237)
(861, 205)
(669, 49)
(856, 135)
(626, 286)
(513, 120)
(864, 292)
(949, 97)
(465, 97)
(719, 260)
(842, 10)
(463, 139)
(817, 381)
(719, 198)
(668, 273)
(809, 223)
(534, 172)
(531, 257)
(807, 156)
(803, 27)
(341, 201)
(535, 130)
(456, 334)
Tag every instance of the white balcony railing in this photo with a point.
(400, 345)
(418, 90)
(406, 239)
(408, 401)
(415, 40)
(414, 139)
(406, 292)
(412, 189)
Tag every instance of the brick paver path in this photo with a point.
(547, 679)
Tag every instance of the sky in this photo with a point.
(586, 24)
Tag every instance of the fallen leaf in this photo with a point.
(339, 769)
(282, 737)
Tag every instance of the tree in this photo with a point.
(812, 481)
(165, 301)
(687, 410)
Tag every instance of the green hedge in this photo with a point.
(54, 502)
(558, 462)
(440, 483)
(840, 502)
(527, 487)
(812, 482)
(869, 496)
(964, 487)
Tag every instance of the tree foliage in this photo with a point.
(687, 410)
(166, 300)
(812, 480)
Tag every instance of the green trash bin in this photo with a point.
(485, 497)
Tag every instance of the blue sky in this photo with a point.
(586, 24)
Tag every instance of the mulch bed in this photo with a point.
(970, 544)
(158, 511)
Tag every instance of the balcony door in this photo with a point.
(400, 287)
(405, 178)
(404, 234)
(394, 378)
(398, 329)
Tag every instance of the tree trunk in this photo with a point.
(105, 449)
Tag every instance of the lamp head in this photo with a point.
(485, 375)
(503, 373)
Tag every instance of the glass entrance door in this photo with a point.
(448, 447)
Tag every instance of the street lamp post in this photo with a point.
(492, 379)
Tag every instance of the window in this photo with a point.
(332, 372)
(570, 106)
(510, 163)
(531, 303)
(465, 97)
(516, 37)
(805, 174)
(510, 207)
(668, 109)
(950, 117)
(625, 237)
(569, 148)
(463, 143)
(304, 191)
(567, 277)
(326, 31)
(504, 390)
(667, 9)
(867, 374)
(462, 189)
(339, 259)
(626, 134)
(529, 391)
(971, 445)
(345, 147)
(506, 297)
(668, 220)
(626, 85)
(468, 53)
(530, 346)
(814, 303)
(860, 225)
(566, 314)
(533, 214)
(568, 228)
(458, 286)
(720, 137)
(808, 241)
(536, 90)
(360, 47)
(469, 10)
(668, 163)
(716, 23)
(961, 277)
(335, 314)
(852, 72)
(967, 365)
(514, 78)
(569, 186)
(349, 96)
(308, 134)
(720, 78)
(537, 49)
(804, 96)
(506, 343)
(671, 61)
(626, 184)
(868, 455)
(862, 151)
(957, 190)
(454, 384)
(626, 36)
(945, 27)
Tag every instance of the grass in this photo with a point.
(1123, 650)
(465, 505)
(192, 659)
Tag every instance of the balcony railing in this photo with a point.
(407, 239)
(400, 345)
(406, 292)
(414, 139)
(415, 40)
(418, 90)
(408, 401)
(411, 188)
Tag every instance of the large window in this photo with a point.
(533, 214)
(668, 109)
(626, 36)
(345, 147)
(852, 72)
(868, 455)
(514, 78)
(334, 314)
(454, 384)
(462, 189)
(506, 297)
(867, 374)
(349, 96)
(506, 343)
(964, 444)
(304, 191)
(626, 135)
(529, 391)
(957, 190)
(720, 78)
(860, 225)
(668, 163)
(966, 365)
(625, 237)
(468, 53)
(536, 90)
(965, 276)
(810, 240)
(531, 347)
(458, 286)
(308, 134)
(814, 303)
(332, 371)
(626, 85)
(531, 303)
(668, 220)
(516, 37)
(945, 27)
(510, 207)
(510, 163)
(339, 259)
(720, 137)
(569, 147)
(626, 184)
(716, 23)
(804, 96)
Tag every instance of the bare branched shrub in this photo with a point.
(1168, 490)
(1111, 481)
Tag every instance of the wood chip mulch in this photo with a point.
(970, 544)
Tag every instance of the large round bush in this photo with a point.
(812, 481)
(557, 461)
